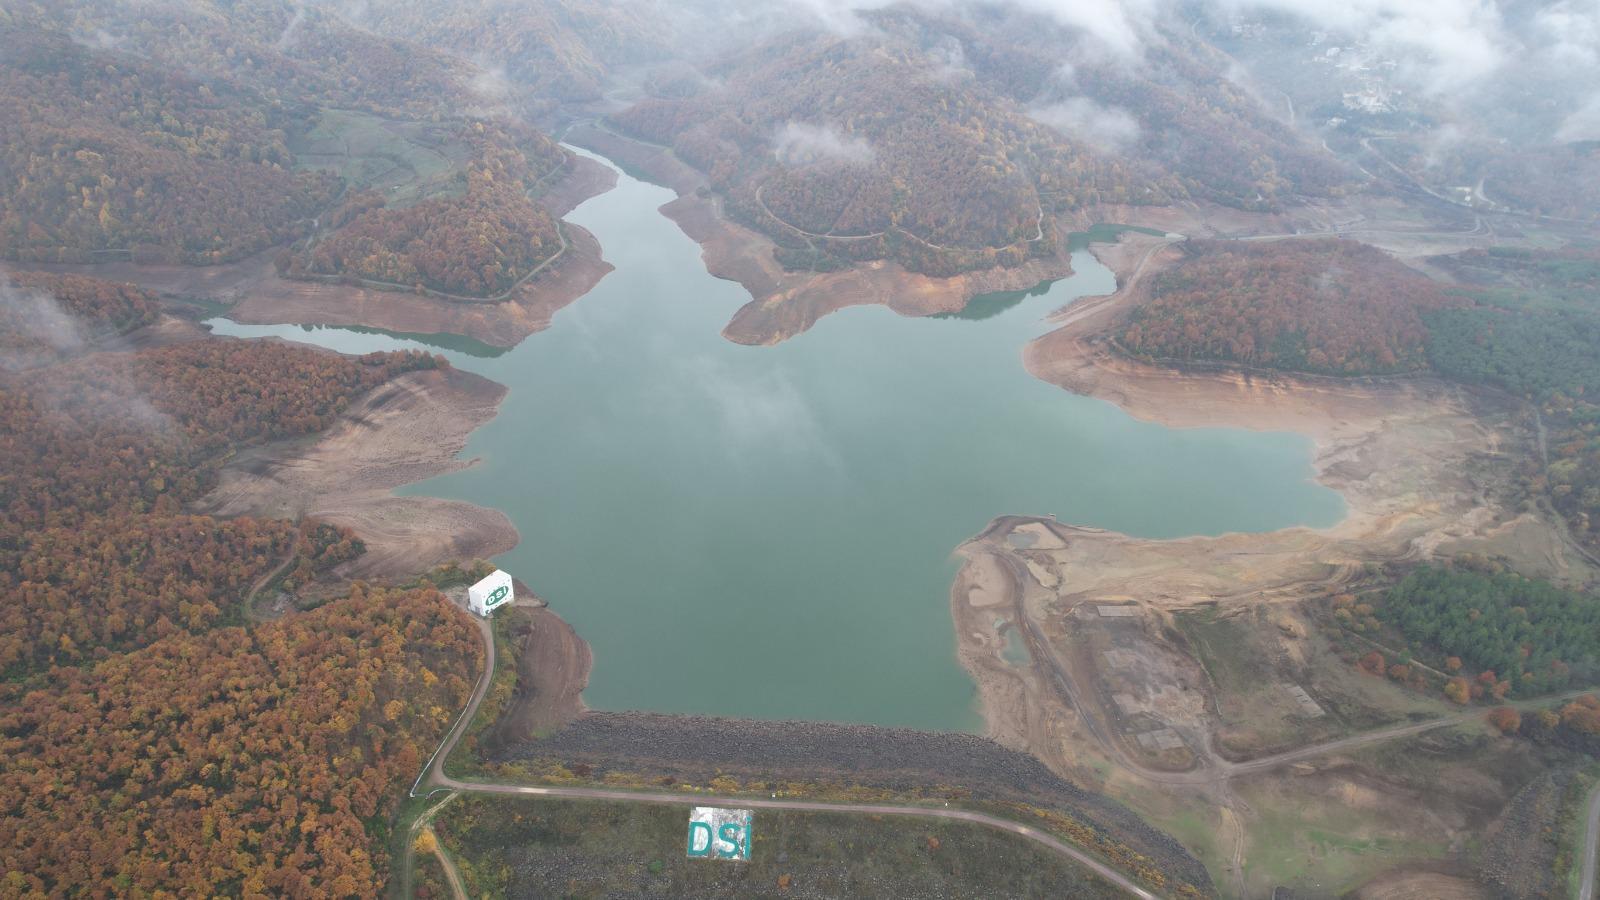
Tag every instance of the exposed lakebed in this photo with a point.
(767, 531)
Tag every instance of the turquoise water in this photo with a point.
(767, 531)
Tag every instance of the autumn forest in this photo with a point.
(120, 610)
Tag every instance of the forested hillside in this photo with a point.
(862, 144)
(478, 242)
(248, 762)
(151, 746)
(100, 454)
(536, 53)
(45, 315)
(1524, 321)
(288, 50)
(1528, 635)
(1179, 107)
(167, 138)
(1536, 333)
(1322, 306)
(108, 156)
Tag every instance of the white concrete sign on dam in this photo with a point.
(719, 833)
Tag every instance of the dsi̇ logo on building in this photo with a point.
(719, 833)
(498, 595)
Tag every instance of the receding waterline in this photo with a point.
(767, 531)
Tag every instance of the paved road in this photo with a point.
(433, 779)
(1591, 849)
(963, 815)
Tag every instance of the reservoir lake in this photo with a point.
(767, 531)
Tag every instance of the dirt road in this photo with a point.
(408, 867)
(1212, 776)
(434, 779)
(261, 583)
(1591, 849)
(1212, 766)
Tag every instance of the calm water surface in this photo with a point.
(766, 531)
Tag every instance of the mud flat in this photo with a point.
(259, 297)
(401, 432)
(785, 303)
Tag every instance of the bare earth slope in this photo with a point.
(403, 432)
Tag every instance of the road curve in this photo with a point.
(434, 779)
(1591, 849)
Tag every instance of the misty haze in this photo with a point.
(696, 448)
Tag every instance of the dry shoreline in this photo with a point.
(553, 665)
(404, 431)
(783, 303)
(1415, 461)
(258, 296)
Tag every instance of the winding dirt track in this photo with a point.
(433, 779)
(250, 598)
(1591, 849)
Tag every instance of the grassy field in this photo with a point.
(1252, 663)
(1448, 795)
(516, 847)
(1326, 854)
(1189, 817)
(1466, 798)
(1574, 830)
(406, 161)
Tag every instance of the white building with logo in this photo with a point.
(492, 592)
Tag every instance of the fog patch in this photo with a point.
(1108, 128)
(98, 39)
(491, 87)
(1583, 125)
(34, 328)
(490, 82)
(36, 331)
(127, 410)
(802, 144)
(352, 11)
(842, 17)
(950, 61)
(1442, 45)
(291, 30)
(1120, 27)
(1438, 144)
(764, 413)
